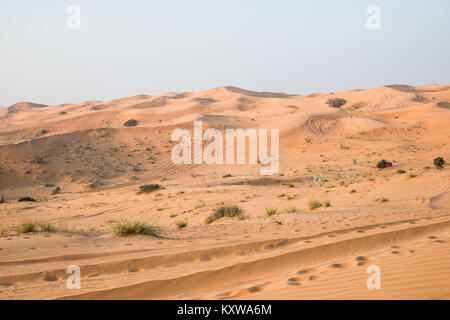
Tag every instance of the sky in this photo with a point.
(125, 48)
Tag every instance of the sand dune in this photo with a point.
(397, 220)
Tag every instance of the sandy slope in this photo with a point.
(324, 253)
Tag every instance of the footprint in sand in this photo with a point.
(338, 265)
(304, 271)
(395, 252)
(293, 282)
(132, 270)
(50, 277)
(254, 289)
(361, 260)
(205, 258)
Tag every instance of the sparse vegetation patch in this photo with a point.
(147, 188)
(314, 204)
(129, 228)
(271, 211)
(226, 211)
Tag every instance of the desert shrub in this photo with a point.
(130, 123)
(27, 199)
(270, 211)
(336, 103)
(41, 132)
(2, 198)
(381, 199)
(147, 188)
(181, 224)
(62, 113)
(384, 164)
(227, 176)
(129, 228)
(37, 159)
(327, 203)
(225, 211)
(314, 204)
(411, 175)
(400, 171)
(291, 210)
(292, 196)
(56, 190)
(47, 227)
(439, 162)
(27, 227)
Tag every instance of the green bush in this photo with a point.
(37, 159)
(384, 164)
(147, 188)
(336, 103)
(27, 199)
(181, 224)
(131, 123)
(56, 190)
(439, 162)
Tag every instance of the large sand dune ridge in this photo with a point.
(397, 218)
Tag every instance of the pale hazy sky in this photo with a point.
(134, 47)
